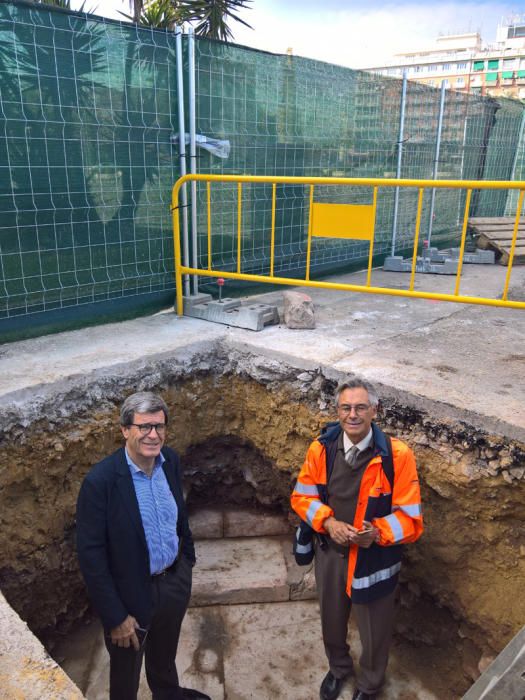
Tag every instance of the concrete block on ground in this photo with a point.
(247, 570)
(189, 302)
(231, 312)
(206, 524)
(249, 523)
(396, 263)
(298, 310)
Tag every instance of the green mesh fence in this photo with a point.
(87, 109)
(286, 115)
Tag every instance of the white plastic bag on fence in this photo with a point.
(217, 147)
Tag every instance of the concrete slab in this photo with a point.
(247, 570)
(435, 354)
(250, 652)
(504, 679)
(26, 670)
(247, 523)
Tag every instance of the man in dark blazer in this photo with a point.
(136, 552)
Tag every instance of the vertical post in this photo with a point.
(436, 159)
(399, 158)
(462, 164)
(513, 244)
(193, 153)
(208, 201)
(416, 238)
(176, 247)
(309, 244)
(182, 154)
(371, 249)
(239, 225)
(463, 239)
(272, 242)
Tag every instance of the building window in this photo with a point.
(493, 64)
(479, 65)
(510, 64)
(507, 74)
(445, 66)
(460, 82)
(491, 78)
(462, 66)
(432, 68)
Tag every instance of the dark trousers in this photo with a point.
(374, 621)
(171, 595)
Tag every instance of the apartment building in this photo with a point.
(463, 63)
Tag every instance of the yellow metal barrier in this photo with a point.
(353, 221)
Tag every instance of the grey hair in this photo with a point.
(358, 384)
(142, 402)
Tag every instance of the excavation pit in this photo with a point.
(243, 456)
(243, 412)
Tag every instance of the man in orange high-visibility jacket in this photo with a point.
(359, 492)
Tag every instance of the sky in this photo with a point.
(351, 33)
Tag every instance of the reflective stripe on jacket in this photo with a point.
(372, 572)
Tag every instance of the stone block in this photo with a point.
(206, 524)
(247, 523)
(231, 571)
(298, 310)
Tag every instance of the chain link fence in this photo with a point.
(88, 109)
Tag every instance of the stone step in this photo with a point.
(212, 523)
(239, 570)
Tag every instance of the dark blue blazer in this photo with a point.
(111, 544)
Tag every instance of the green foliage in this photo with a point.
(211, 16)
(159, 14)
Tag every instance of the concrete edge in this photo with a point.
(26, 669)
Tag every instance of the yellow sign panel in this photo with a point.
(343, 221)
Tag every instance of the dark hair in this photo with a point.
(142, 402)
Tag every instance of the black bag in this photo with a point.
(303, 544)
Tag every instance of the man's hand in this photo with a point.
(340, 532)
(124, 634)
(368, 535)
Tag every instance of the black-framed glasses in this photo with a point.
(146, 428)
(359, 408)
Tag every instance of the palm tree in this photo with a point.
(211, 16)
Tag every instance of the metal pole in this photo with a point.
(436, 160)
(193, 152)
(182, 154)
(462, 164)
(399, 158)
(515, 161)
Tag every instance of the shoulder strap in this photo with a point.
(388, 463)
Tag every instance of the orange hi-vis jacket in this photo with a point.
(396, 512)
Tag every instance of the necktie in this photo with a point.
(351, 456)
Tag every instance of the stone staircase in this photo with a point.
(246, 557)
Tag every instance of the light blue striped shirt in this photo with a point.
(158, 510)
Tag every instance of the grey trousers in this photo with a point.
(374, 621)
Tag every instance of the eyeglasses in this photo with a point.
(359, 408)
(146, 428)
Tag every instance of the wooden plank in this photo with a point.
(482, 220)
